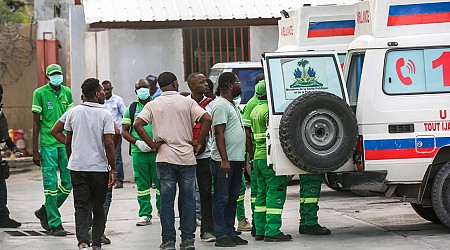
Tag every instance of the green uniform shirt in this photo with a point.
(259, 120)
(251, 104)
(126, 120)
(51, 107)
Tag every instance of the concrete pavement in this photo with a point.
(355, 222)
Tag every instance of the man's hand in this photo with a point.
(112, 178)
(37, 158)
(143, 146)
(225, 166)
(199, 148)
(158, 145)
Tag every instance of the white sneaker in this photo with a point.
(83, 246)
(144, 221)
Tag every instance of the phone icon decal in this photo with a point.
(411, 67)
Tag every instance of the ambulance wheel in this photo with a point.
(318, 132)
(426, 212)
(440, 194)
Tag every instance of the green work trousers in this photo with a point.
(240, 206)
(144, 169)
(310, 185)
(253, 191)
(54, 158)
(269, 200)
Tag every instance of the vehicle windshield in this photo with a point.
(247, 78)
(292, 76)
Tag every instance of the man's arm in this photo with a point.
(138, 125)
(57, 132)
(206, 121)
(126, 134)
(219, 131)
(111, 156)
(248, 142)
(68, 143)
(37, 158)
(116, 137)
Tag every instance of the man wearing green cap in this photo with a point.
(50, 102)
(271, 188)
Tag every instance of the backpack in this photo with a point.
(197, 126)
(132, 111)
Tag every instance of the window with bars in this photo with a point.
(204, 47)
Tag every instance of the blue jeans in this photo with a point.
(169, 175)
(226, 193)
(119, 164)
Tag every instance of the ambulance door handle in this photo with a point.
(401, 128)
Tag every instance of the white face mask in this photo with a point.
(237, 100)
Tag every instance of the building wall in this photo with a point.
(263, 39)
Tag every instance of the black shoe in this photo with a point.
(314, 230)
(259, 237)
(6, 222)
(225, 242)
(41, 214)
(168, 245)
(187, 244)
(279, 237)
(253, 231)
(105, 240)
(59, 231)
(238, 232)
(238, 240)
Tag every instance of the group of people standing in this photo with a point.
(175, 140)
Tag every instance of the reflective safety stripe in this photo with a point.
(309, 200)
(241, 198)
(274, 211)
(36, 108)
(71, 105)
(259, 209)
(252, 200)
(247, 122)
(259, 136)
(126, 121)
(63, 190)
(157, 192)
(143, 193)
(50, 192)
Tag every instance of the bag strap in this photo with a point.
(132, 111)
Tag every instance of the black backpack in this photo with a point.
(132, 111)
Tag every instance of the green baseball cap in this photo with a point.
(53, 68)
(260, 89)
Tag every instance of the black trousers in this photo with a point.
(4, 212)
(204, 181)
(89, 190)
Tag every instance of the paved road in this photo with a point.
(356, 222)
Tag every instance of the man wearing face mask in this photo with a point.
(50, 102)
(144, 164)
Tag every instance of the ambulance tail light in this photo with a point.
(358, 156)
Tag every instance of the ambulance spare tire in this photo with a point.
(318, 132)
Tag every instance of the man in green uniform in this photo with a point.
(271, 188)
(50, 102)
(310, 185)
(144, 164)
(249, 145)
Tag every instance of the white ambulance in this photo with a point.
(398, 80)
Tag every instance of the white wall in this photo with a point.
(263, 39)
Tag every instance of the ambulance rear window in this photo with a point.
(291, 77)
(417, 71)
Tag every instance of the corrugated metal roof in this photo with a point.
(179, 10)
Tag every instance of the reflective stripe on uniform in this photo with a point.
(71, 105)
(260, 209)
(309, 200)
(253, 200)
(274, 211)
(157, 192)
(241, 198)
(247, 122)
(143, 193)
(35, 108)
(259, 136)
(50, 192)
(63, 190)
(126, 121)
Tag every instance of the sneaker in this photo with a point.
(243, 225)
(144, 221)
(208, 237)
(187, 244)
(225, 242)
(168, 245)
(83, 246)
(59, 231)
(105, 240)
(279, 237)
(118, 185)
(314, 230)
(238, 240)
(6, 222)
(41, 214)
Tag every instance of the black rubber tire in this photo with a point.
(426, 212)
(330, 183)
(440, 194)
(318, 132)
